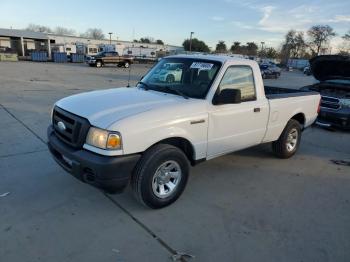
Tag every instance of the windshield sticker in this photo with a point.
(201, 66)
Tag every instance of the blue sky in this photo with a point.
(172, 21)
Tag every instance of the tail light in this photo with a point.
(319, 107)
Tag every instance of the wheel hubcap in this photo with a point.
(166, 179)
(292, 140)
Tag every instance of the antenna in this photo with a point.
(129, 76)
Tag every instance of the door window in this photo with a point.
(240, 77)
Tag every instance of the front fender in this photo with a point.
(138, 137)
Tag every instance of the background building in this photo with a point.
(24, 42)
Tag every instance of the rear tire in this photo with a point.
(126, 64)
(160, 176)
(288, 142)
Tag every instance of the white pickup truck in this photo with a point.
(149, 135)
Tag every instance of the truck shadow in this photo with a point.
(261, 151)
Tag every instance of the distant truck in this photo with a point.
(149, 135)
(110, 57)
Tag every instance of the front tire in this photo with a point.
(288, 142)
(98, 64)
(160, 176)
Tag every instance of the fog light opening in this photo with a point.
(89, 175)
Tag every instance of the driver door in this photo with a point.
(236, 126)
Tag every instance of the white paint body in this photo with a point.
(143, 118)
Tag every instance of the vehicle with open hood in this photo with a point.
(150, 134)
(333, 73)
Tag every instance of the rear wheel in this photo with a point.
(288, 142)
(160, 176)
(126, 64)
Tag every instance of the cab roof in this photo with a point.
(220, 58)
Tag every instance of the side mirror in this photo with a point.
(228, 96)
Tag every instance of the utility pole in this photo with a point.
(191, 41)
(262, 46)
(110, 37)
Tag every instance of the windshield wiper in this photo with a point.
(178, 92)
(145, 86)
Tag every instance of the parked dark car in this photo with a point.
(333, 73)
(112, 57)
(270, 71)
(307, 70)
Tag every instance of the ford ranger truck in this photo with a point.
(149, 135)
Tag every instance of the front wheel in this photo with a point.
(160, 176)
(288, 142)
(98, 64)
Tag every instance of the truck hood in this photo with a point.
(103, 108)
(328, 67)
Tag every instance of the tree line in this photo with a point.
(296, 44)
(94, 33)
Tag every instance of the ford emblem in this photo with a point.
(61, 126)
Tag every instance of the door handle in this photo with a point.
(257, 110)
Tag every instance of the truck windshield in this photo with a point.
(187, 76)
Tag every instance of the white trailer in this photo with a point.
(141, 52)
(112, 48)
(64, 48)
(91, 50)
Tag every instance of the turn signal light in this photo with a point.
(113, 141)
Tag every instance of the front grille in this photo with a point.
(76, 128)
(330, 102)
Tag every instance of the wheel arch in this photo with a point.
(183, 144)
(300, 117)
(100, 60)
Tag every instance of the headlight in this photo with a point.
(344, 103)
(104, 139)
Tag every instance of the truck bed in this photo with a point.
(272, 92)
